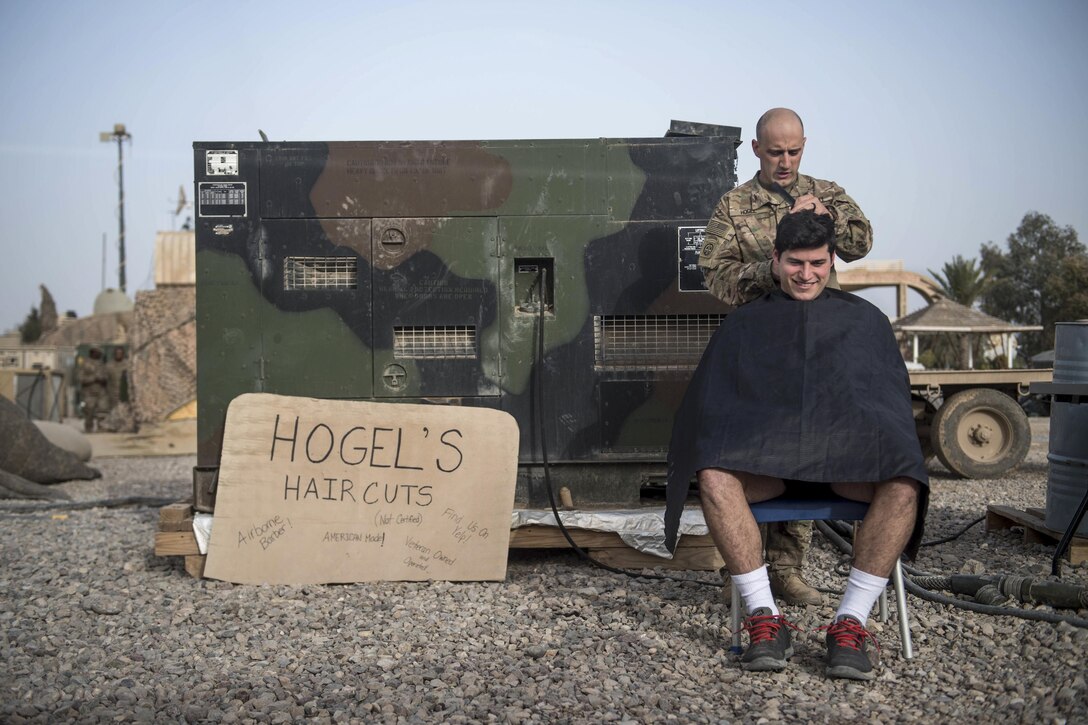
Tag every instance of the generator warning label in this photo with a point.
(222, 198)
(221, 163)
(689, 240)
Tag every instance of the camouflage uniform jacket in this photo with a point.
(92, 376)
(736, 253)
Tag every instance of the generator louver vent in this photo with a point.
(435, 341)
(301, 273)
(651, 342)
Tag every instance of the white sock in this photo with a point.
(755, 588)
(862, 591)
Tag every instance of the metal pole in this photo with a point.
(121, 212)
(119, 134)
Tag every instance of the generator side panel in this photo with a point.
(228, 281)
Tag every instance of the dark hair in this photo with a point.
(805, 230)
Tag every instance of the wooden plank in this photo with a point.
(550, 537)
(1035, 530)
(176, 543)
(194, 565)
(184, 525)
(692, 552)
(172, 513)
(699, 558)
(1078, 551)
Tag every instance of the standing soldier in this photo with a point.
(738, 267)
(117, 374)
(92, 387)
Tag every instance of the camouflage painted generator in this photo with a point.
(422, 271)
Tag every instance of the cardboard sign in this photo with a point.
(318, 491)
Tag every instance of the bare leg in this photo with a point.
(887, 526)
(725, 496)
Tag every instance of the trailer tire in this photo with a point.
(980, 433)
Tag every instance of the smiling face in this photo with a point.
(779, 147)
(803, 273)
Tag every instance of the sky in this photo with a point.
(946, 121)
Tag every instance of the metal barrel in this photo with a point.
(1068, 471)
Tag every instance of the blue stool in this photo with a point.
(824, 509)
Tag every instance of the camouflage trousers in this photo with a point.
(93, 408)
(787, 543)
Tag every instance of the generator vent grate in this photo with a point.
(651, 342)
(435, 341)
(300, 273)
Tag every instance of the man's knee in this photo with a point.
(900, 491)
(716, 484)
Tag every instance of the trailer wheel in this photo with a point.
(980, 433)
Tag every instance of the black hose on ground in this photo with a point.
(913, 580)
(110, 503)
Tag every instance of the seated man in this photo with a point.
(802, 390)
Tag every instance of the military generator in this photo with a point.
(553, 279)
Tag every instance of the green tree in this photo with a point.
(1068, 288)
(1039, 252)
(31, 329)
(961, 280)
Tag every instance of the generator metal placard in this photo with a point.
(221, 163)
(689, 240)
(323, 491)
(222, 198)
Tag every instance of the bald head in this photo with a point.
(778, 117)
(779, 144)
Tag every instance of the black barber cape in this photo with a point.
(804, 391)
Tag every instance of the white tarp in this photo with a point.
(642, 529)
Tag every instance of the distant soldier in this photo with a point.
(117, 373)
(737, 263)
(93, 382)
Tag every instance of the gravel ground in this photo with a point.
(94, 627)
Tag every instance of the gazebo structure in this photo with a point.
(944, 315)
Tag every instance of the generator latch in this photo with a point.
(534, 278)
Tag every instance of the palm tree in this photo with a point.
(962, 280)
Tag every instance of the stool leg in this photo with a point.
(901, 606)
(883, 606)
(734, 614)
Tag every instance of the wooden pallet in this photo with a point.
(692, 552)
(175, 537)
(1035, 531)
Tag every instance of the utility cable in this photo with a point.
(538, 390)
(140, 501)
(958, 534)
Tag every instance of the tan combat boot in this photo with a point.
(787, 543)
(788, 585)
(727, 587)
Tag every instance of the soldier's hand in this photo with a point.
(808, 201)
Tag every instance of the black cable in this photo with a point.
(538, 389)
(956, 535)
(142, 501)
